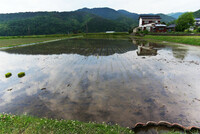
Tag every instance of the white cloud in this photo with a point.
(141, 6)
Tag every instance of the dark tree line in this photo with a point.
(39, 23)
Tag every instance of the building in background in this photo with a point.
(151, 23)
(171, 28)
(197, 21)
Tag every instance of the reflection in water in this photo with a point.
(105, 81)
(179, 53)
(146, 50)
(84, 47)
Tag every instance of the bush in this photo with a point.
(139, 33)
(145, 32)
(187, 31)
(130, 31)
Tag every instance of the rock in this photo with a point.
(9, 89)
(8, 75)
(22, 74)
(43, 89)
(140, 127)
(69, 85)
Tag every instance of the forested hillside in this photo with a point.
(197, 14)
(82, 20)
(124, 15)
(56, 23)
(111, 14)
(176, 15)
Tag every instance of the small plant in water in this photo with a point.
(8, 75)
(20, 75)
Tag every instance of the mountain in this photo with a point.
(134, 16)
(41, 22)
(176, 15)
(82, 20)
(122, 15)
(34, 23)
(166, 18)
(106, 13)
(111, 14)
(197, 14)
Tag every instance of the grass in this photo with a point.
(27, 124)
(191, 40)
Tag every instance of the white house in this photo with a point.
(151, 23)
(147, 19)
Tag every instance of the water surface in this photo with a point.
(103, 81)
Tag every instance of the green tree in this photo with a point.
(185, 21)
(198, 29)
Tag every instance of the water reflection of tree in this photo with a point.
(179, 53)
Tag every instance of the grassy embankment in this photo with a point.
(26, 124)
(191, 40)
(9, 41)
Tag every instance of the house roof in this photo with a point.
(154, 25)
(150, 17)
(148, 25)
(172, 26)
(160, 25)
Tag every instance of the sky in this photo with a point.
(135, 6)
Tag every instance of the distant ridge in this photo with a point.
(105, 12)
(128, 14)
(109, 13)
(82, 20)
(197, 14)
(176, 15)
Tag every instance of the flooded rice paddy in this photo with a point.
(112, 81)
